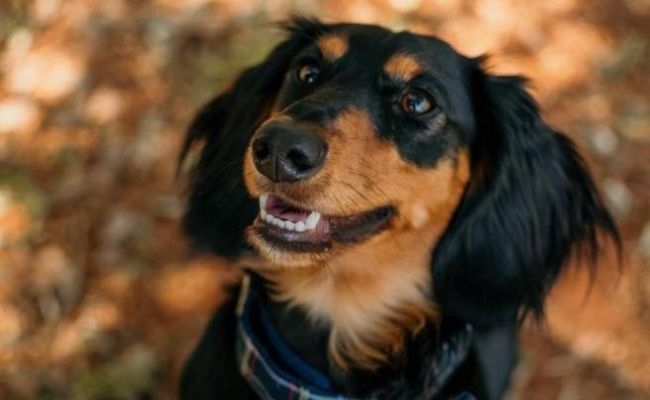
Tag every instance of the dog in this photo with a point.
(400, 210)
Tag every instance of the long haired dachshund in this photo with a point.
(400, 210)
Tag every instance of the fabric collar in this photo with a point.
(275, 372)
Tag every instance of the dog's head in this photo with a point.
(355, 141)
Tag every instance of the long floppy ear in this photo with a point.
(530, 204)
(219, 208)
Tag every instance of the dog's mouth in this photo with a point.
(291, 227)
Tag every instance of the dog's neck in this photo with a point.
(362, 304)
(307, 338)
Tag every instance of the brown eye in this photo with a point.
(308, 73)
(416, 102)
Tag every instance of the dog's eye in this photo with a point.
(416, 102)
(308, 73)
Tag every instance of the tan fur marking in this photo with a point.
(402, 66)
(377, 292)
(333, 47)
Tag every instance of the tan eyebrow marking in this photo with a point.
(402, 66)
(333, 47)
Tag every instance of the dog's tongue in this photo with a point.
(279, 208)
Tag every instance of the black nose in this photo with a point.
(288, 153)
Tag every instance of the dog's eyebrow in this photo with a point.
(402, 66)
(333, 47)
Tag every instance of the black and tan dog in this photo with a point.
(406, 209)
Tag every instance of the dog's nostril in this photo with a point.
(300, 160)
(261, 149)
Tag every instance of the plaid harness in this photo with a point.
(275, 372)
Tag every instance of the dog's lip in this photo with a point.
(289, 226)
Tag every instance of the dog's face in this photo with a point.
(366, 141)
(354, 142)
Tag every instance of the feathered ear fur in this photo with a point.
(219, 208)
(529, 205)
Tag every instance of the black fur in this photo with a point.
(529, 206)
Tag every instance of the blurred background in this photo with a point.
(100, 298)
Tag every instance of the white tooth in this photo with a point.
(276, 221)
(312, 220)
(268, 218)
(263, 214)
(281, 223)
(263, 199)
(289, 225)
(300, 226)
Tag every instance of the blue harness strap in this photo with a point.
(275, 372)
